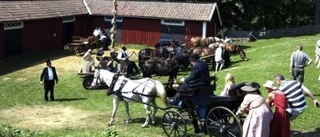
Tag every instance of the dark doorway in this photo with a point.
(13, 42)
(68, 32)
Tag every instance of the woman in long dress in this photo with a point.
(257, 122)
(280, 124)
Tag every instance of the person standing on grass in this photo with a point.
(298, 61)
(257, 122)
(280, 124)
(47, 78)
(293, 90)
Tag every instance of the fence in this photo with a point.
(272, 33)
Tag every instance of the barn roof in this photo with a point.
(151, 9)
(28, 10)
(42, 9)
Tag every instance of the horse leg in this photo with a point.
(155, 109)
(114, 110)
(318, 61)
(147, 107)
(127, 111)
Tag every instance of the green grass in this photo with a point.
(19, 87)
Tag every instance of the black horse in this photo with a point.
(146, 54)
(165, 67)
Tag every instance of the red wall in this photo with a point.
(141, 31)
(41, 35)
(193, 29)
(1, 40)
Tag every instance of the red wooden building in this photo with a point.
(32, 26)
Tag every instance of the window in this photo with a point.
(13, 25)
(173, 22)
(109, 18)
(68, 19)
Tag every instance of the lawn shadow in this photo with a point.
(69, 99)
(315, 133)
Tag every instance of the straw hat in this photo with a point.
(269, 84)
(250, 87)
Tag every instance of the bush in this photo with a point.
(8, 131)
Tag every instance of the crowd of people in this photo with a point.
(288, 98)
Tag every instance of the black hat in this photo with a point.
(194, 57)
(123, 47)
(48, 61)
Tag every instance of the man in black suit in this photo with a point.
(48, 76)
(199, 76)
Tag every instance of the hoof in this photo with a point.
(144, 125)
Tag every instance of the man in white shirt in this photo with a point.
(48, 76)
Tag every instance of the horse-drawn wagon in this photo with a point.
(80, 45)
(105, 62)
(209, 114)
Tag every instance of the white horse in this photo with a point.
(317, 52)
(143, 90)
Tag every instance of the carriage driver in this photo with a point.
(124, 56)
(199, 77)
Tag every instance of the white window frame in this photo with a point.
(13, 25)
(172, 22)
(68, 19)
(109, 18)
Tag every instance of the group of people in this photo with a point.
(288, 99)
(289, 102)
(103, 37)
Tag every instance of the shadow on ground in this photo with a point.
(315, 133)
(69, 99)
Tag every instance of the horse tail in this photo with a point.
(161, 92)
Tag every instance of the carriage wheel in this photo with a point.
(173, 124)
(87, 83)
(222, 122)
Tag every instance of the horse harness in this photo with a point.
(118, 92)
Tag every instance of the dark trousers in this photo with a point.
(132, 66)
(298, 74)
(49, 87)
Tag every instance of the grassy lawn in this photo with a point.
(81, 113)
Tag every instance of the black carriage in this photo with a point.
(214, 115)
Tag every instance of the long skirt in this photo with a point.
(257, 122)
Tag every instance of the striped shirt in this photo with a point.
(299, 59)
(294, 94)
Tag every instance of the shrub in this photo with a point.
(8, 131)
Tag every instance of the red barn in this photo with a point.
(141, 22)
(33, 26)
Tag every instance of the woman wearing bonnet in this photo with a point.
(257, 122)
(280, 124)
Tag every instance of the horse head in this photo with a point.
(102, 75)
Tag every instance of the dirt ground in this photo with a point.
(47, 117)
(43, 117)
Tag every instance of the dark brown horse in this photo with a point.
(146, 54)
(165, 67)
(233, 49)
